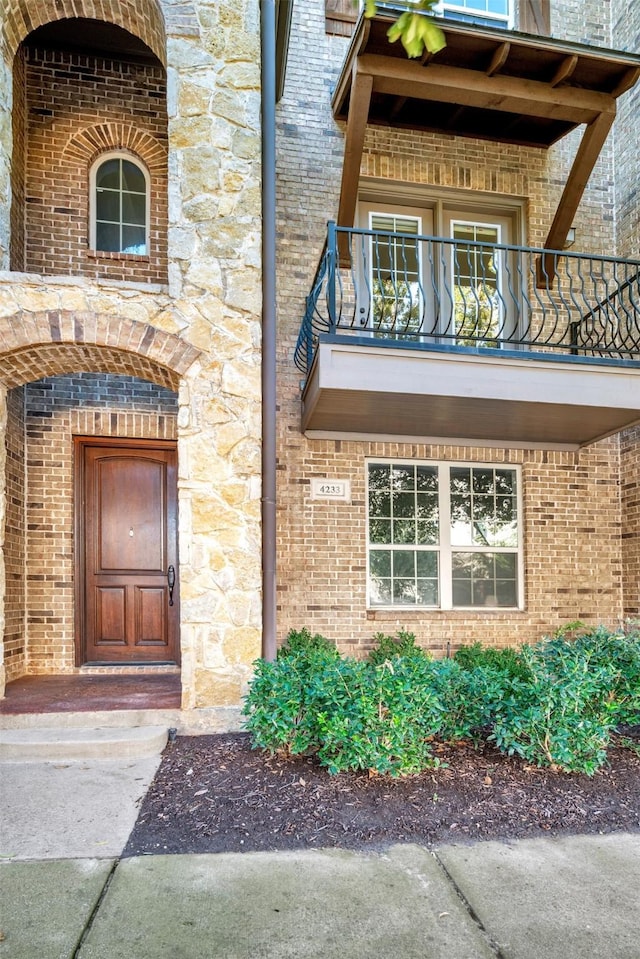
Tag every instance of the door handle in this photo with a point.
(171, 580)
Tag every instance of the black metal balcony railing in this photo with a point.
(426, 292)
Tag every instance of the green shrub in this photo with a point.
(388, 647)
(469, 698)
(380, 718)
(301, 641)
(562, 716)
(618, 651)
(280, 705)
(486, 657)
(554, 704)
(352, 714)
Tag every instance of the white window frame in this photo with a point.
(444, 548)
(487, 224)
(413, 216)
(451, 8)
(505, 228)
(103, 158)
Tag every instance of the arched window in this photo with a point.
(119, 205)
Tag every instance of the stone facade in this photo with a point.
(168, 345)
(189, 324)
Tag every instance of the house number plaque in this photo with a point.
(331, 489)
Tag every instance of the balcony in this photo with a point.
(470, 341)
(487, 83)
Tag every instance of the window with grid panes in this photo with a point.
(490, 13)
(443, 535)
(120, 206)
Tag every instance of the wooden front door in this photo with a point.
(126, 528)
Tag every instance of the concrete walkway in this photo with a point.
(66, 894)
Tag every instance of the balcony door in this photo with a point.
(395, 295)
(460, 287)
(481, 281)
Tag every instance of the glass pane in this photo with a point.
(427, 532)
(461, 593)
(134, 208)
(427, 592)
(133, 178)
(403, 477)
(379, 476)
(427, 478)
(428, 516)
(404, 592)
(381, 223)
(506, 565)
(427, 564)
(461, 534)
(505, 481)
(134, 240)
(379, 503)
(506, 508)
(506, 593)
(404, 531)
(482, 481)
(380, 591)
(108, 206)
(404, 504)
(381, 258)
(380, 562)
(395, 224)
(108, 237)
(427, 506)
(404, 563)
(406, 258)
(460, 479)
(108, 175)
(380, 531)
(484, 579)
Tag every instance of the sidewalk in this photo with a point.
(571, 898)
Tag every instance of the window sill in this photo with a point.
(395, 610)
(119, 257)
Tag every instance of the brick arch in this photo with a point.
(58, 342)
(86, 145)
(142, 18)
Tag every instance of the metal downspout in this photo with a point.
(268, 118)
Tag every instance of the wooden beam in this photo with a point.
(398, 104)
(565, 70)
(498, 59)
(344, 81)
(361, 87)
(583, 164)
(473, 88)
(627, 81)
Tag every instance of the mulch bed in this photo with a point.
(217, 794)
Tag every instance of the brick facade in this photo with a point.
(169, 346)
(577, 508)
(79, 108)
(15, 537)
(57, 409)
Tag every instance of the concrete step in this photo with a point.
(56, 744)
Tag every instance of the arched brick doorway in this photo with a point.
(98, 377)
(89, 86)
(142, 18)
